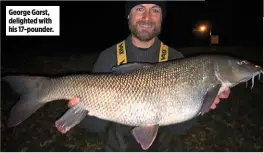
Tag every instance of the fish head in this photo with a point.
(233, 71)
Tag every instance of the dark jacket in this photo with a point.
(108, 58)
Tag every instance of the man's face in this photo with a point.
(145, 21)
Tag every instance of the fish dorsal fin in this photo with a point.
(209, 99)
(130, 67)
(145, 135)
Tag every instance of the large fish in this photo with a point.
(136, 94)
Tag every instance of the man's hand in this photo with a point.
(224, 95)
(73, 102)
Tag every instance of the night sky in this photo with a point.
(95, 26)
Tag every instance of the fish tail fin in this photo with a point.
(27, 87)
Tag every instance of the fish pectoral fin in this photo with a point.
(145, 135)
(71, 118)
(209, 99)
(130, 67)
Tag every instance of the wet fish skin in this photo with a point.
(151, 94)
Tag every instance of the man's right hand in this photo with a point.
(73, 102)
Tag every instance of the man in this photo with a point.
(144, 20)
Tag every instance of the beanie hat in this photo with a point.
(131, 4)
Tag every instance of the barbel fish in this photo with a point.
(142, 95)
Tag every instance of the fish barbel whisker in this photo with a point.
(253, 78)
(259, 75)
(252, 84)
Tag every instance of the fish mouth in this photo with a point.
(252, 78)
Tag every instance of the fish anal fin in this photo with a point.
(209, 98)
(145, 135)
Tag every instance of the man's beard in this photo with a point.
(144, 34)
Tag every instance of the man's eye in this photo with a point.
(155, 10)
(139, 9)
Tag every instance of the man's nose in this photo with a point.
(147, 15)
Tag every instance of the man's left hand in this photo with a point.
(225, 94)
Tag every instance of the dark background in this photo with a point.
(94, 26)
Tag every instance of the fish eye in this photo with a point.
(242, 62)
